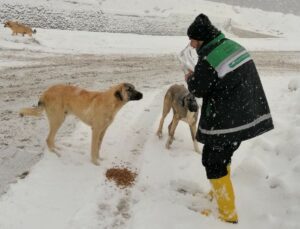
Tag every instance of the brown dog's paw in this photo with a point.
(54, 149)
(159, 134)
(56, 152)
(168, 145)
(95, 162)
(196, 147)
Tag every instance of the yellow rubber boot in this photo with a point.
(210, 194)
(224, 195)
(228, 169)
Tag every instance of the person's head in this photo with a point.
(201, 31)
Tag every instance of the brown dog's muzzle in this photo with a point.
(136, 95)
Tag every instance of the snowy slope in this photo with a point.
(75, 42)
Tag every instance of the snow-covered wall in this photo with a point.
(95, 20)
(168, 17)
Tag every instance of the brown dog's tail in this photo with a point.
(33, 111)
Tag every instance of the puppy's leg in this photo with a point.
(166, 110)
(96, 133)
(172, 128)
(193, 129)
(55, 120)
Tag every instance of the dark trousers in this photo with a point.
(215, 158)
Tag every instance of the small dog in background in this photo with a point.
(184, 107)
(18, 27)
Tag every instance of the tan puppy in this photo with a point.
(17, 27)
(184, 107)
(96, 109)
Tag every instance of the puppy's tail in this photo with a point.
(34, 31)
(33, 111)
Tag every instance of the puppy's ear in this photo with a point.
(118, 95)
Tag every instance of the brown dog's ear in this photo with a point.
(119, 95)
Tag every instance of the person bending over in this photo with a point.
(234, 106)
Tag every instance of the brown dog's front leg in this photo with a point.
(193, 129)
(95, 146)
(166, 109)
(100, 142)
(172, 128)
(161, 123)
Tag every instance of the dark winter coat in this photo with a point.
(234, 106)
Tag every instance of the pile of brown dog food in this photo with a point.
(122, 176)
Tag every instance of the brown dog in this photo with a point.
(17, 27)
(96, 109)
(184, 107)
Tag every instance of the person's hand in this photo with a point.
(187, 75)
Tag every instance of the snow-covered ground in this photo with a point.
(70, 192)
